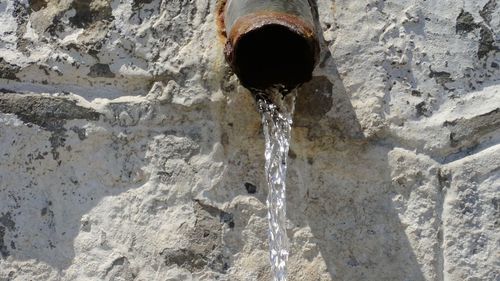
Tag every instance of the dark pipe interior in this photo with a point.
(273, 54)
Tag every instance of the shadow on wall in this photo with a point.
(323, 114)
(345, 199)
(341, 188)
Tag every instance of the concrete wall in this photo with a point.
(128, 151)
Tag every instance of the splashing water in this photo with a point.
(277, 114)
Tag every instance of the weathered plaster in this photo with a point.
(128, 151)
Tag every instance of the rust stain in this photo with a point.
(219, 20)
(256, 20)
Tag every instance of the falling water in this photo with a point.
(277, 114)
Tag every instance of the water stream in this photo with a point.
(277, 113)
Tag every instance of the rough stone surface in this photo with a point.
(128, 151)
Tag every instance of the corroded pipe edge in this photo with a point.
(257, 20)
(220, 20)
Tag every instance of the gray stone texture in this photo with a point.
(128, 150)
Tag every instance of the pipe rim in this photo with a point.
(255, 22)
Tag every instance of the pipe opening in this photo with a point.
(273, 54)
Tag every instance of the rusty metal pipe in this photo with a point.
(270, 42)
